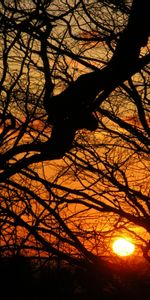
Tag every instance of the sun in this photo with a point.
(123, 247)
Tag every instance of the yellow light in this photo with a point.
(123, 247)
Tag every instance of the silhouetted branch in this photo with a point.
(90, 90)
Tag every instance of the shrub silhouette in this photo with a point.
(21, 280)
(15, 277)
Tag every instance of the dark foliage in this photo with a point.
(23, 280)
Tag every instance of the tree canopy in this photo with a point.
(75, 137)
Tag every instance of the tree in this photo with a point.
(95, 55)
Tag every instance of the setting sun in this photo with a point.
(123, 247)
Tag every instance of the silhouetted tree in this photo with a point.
(74, 137)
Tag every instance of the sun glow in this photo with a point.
(123, 247)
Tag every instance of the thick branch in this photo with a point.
(124, 63)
